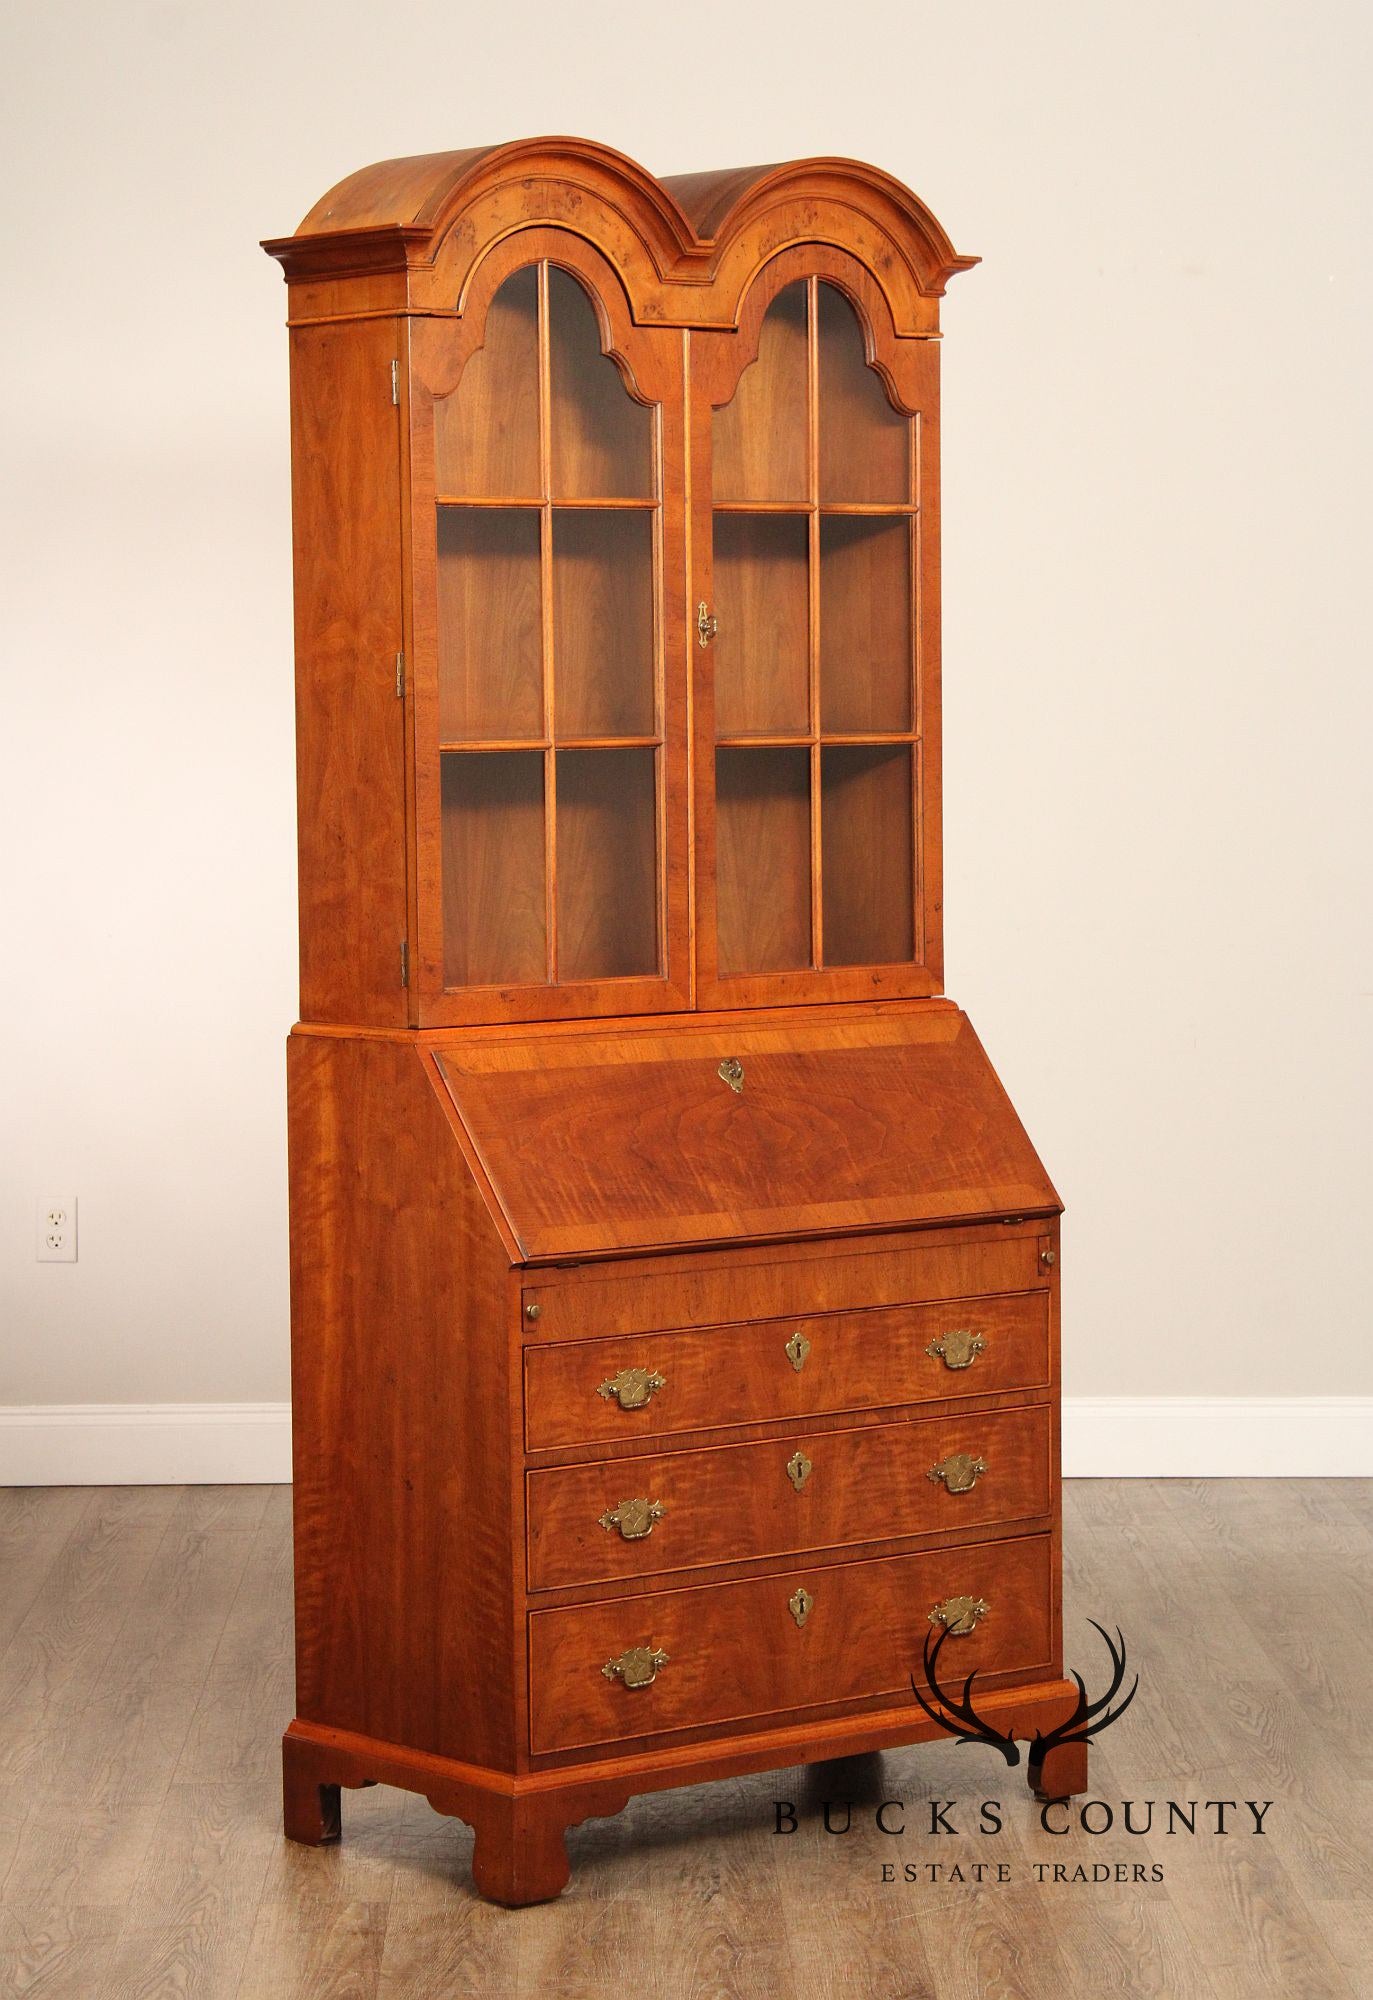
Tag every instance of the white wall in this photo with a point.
(1157, 610)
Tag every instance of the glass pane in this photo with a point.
(762, 649)
(607, 864)
(760, 438)
(493, 868)
(603, 655)
(866, 851)
(762, 859)
(865, 623)
(490, 639)
(602, 438)
(486, 434)
(865, 444)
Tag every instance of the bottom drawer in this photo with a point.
(729, 1652)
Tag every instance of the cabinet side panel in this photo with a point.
(350, 725)
(403, 1476)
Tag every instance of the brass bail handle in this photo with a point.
(632, 1387)
(634, 1518)
(959, 1615)
(958, 1348)
(959, 1472)
(638, 1668)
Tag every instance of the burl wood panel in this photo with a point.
(735, 1651)
(839, 1126)
(729, 1503)
(853, 1361)
(350, 728)
(790, 1278)
(405, 1555)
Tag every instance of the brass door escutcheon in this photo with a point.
(958, 1348)
(799, 1469)
(632, 1387)
(706, 625)
(797, 1348)
(633, 1518)
(731, 1071)
(637, 1668)
(959, 1472)
(800, 1604)
(958, 1615)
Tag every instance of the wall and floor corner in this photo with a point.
(1157, 424)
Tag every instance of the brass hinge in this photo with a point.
(400, 677)
(395, 383)
(405, 961)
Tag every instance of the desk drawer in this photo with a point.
(794, 1279)
(827, 1490)
(733, 1652)
(713, 1377)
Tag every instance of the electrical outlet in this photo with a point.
(57, 1230)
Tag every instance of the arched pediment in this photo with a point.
(686, 248)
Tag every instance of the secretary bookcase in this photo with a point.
(674, 1289)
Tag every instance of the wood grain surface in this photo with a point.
(640, 1143)
(727, 1503)
(141, 1853)
(851, 1361)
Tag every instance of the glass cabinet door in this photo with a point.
(813, 673)
(550, 632)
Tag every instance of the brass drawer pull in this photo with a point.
(958, 1348)
(731, 1071)
(796, 1350)
(632, 1387)
(637, 1668)
(799, 1469)
(960, 1472)
(958, 1615)
(800, 1604)
(634, 1518)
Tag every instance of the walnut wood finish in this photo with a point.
(852, 1361)
(641, 1143)
(735, 1651)
(617, 635)
(732, 1502)
(814, 1276)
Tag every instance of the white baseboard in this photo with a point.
(146, 1444)
(1217, 1437)
(1104, 1437)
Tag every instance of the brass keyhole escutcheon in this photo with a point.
(799, 1469)
(959, 1615)
(632, 1387)
(800, 1604)
(958, 1348)
(633, 1518)
(731, 1071)
(638, 1668)
(959, 1472)
(706, 625)
(797, 1348)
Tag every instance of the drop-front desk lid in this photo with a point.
(643, 1137)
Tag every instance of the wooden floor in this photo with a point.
(145, 1676)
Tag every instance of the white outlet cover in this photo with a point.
(56, 1229)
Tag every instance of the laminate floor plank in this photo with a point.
(36, 1523)
(145, 1676)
